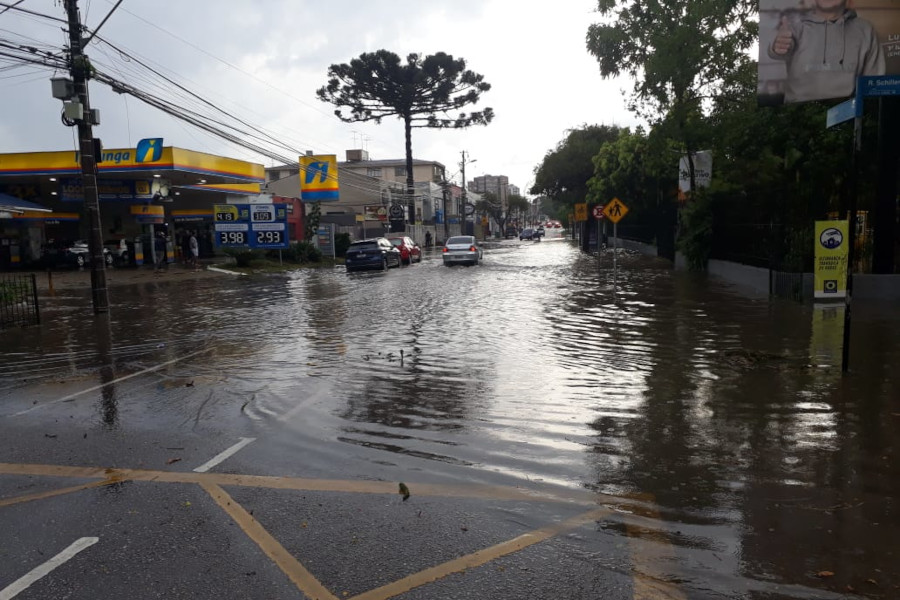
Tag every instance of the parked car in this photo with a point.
(526, 234)
(462, 249)
(66, 253)
(511, 232)
(118, 249)
(373, 253)
(409, 250)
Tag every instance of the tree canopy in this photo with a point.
(422, 93)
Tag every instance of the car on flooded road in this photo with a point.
(374, 253)
(462, 250)
(410, 251)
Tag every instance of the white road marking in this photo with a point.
(223, 455)
(20, 585)
(113, 382)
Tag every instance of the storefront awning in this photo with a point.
(12, 204)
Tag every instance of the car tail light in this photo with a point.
(445, 249)
(472, 249)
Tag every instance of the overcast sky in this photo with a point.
(263, 61)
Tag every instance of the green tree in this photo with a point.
(679, 54)
(421, 93)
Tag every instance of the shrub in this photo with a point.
(244, 257)
(341, 243)
(302, 252)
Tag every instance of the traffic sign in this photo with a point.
(598, 212)
(615, 210)
(396, 211)
(581, 212)
(470, 209)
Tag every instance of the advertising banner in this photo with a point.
(375, 212)
(702, 171)
(832, 248)
(816, 49)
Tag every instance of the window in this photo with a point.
(400, 171)
(374, 172)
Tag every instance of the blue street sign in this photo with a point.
(879, 85)
(844, 111)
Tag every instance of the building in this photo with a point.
(498, 185)
(373, 197)
(142, 191)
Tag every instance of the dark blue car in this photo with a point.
(375, 253)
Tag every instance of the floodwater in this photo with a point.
(764, 466)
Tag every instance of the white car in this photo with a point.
(462, 250)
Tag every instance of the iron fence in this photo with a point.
(18, 300)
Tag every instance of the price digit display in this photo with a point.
(262, 216)
(232, 237)
(268, 237)
(224, 216)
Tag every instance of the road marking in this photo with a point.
(651, 548)
(23, 583)
(224, 455)
(113, 382)
(575, 497)
(476, 559)
(52, 493)
(289, 565)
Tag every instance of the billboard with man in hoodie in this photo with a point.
(815, 49)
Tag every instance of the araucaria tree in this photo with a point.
(422, 93)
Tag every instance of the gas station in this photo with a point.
(142, 191)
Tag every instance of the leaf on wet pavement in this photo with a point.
(172, 460)
(825, 574)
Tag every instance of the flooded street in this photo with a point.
(722, 424)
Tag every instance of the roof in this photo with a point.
(13, 204)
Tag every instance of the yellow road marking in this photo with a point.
(650, 549)
(291, 567)
(303, 484)
(480, 557)
(646, 556)
(52, 493)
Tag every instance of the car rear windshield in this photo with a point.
(459, 239)
(397, 241)
(363, 246)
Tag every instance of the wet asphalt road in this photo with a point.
(564, 434)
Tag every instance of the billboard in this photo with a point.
(815, 49)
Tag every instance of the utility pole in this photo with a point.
(465, 198)
(80, 68)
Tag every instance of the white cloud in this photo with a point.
(263, 62)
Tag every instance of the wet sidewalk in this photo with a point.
(81, 278)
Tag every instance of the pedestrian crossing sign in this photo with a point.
(615, 210)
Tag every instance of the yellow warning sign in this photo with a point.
(581, 212)
(615, 210)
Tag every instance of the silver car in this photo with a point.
(462, 250)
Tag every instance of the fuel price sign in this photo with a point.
(251, 226)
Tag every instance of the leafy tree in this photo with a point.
(421, 93)
(679, 54)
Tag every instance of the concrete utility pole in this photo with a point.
(465, 198)
(79, 68)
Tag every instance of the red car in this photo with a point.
(409, 250)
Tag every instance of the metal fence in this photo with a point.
(18, 300)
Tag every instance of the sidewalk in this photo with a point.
(81, 278)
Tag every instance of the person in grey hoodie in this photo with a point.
(825, 49)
